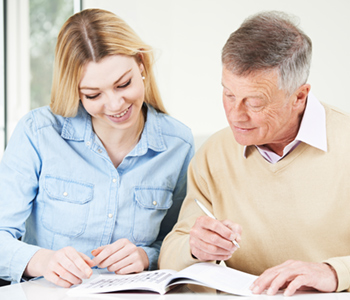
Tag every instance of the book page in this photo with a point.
(217, 277)
(154, 281)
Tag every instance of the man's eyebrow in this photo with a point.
(94, 88)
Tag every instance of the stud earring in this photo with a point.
(143, 77)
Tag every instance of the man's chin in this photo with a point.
(243, 140)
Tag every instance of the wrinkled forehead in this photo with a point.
(256, 78)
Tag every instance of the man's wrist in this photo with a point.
(335, 275)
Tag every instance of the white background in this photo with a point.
(188, 36)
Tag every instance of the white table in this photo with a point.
(43, 290)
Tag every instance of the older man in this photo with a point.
(280, 171)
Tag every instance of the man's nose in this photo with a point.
(238, 112)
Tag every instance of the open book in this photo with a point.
(206, 274)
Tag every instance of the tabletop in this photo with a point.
(41, 289)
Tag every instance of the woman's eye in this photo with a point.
(125, 85)
(91, 97)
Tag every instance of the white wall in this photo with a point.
(189, 35)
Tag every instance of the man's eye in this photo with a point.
(91, 97)
(256, 107)
(125, 85)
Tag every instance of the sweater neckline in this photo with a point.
(253, 153)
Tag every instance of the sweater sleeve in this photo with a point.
(341, 266)
(175, 253)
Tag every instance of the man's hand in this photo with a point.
(212, 239)
(296, 275)
(121, 257)
(64, 267)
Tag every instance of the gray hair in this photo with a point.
(270, 41)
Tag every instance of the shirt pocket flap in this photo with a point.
(68, 190)
(152, 198)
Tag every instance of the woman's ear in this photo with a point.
(142, 68)
(139, 60)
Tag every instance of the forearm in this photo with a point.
(15, 256)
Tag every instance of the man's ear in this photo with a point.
(300, 96)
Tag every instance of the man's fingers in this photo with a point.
(235, 228)
(212, 232)
(212, 240)
(296, 275)
(265, 279)
(204, 256)
(295, 285)
(211, 248)
(214, 226)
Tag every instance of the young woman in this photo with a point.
(96, 179)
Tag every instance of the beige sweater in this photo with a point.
(298, 208)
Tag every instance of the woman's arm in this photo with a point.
(19, 175)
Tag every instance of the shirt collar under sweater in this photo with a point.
(312, 131)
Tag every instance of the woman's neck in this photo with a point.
(118, 143)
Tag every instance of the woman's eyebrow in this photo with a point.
(93, 88)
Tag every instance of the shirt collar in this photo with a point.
(312, 129)
(152, 136)
(79, 128)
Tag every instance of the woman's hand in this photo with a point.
(64, 267)
(121, 257)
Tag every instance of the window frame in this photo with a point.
(10, 79)
(2, 76)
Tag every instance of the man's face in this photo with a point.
(259, 113)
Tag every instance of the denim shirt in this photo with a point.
(59, 187)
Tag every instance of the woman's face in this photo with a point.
(112, 92)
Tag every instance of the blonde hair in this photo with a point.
(91, 35)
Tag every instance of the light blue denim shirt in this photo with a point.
(59, 188)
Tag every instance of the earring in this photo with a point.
(143, 77)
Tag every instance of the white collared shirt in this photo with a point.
(312, 131)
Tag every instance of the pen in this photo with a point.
(209, 214)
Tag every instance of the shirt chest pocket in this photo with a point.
(151, 206)
(66, 206)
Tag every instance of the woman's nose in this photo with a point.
(114, 102)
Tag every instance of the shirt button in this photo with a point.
(154, 203)
(99, 150)
(65, 194)
(114, 180)
(110, 216)
(87, 143)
